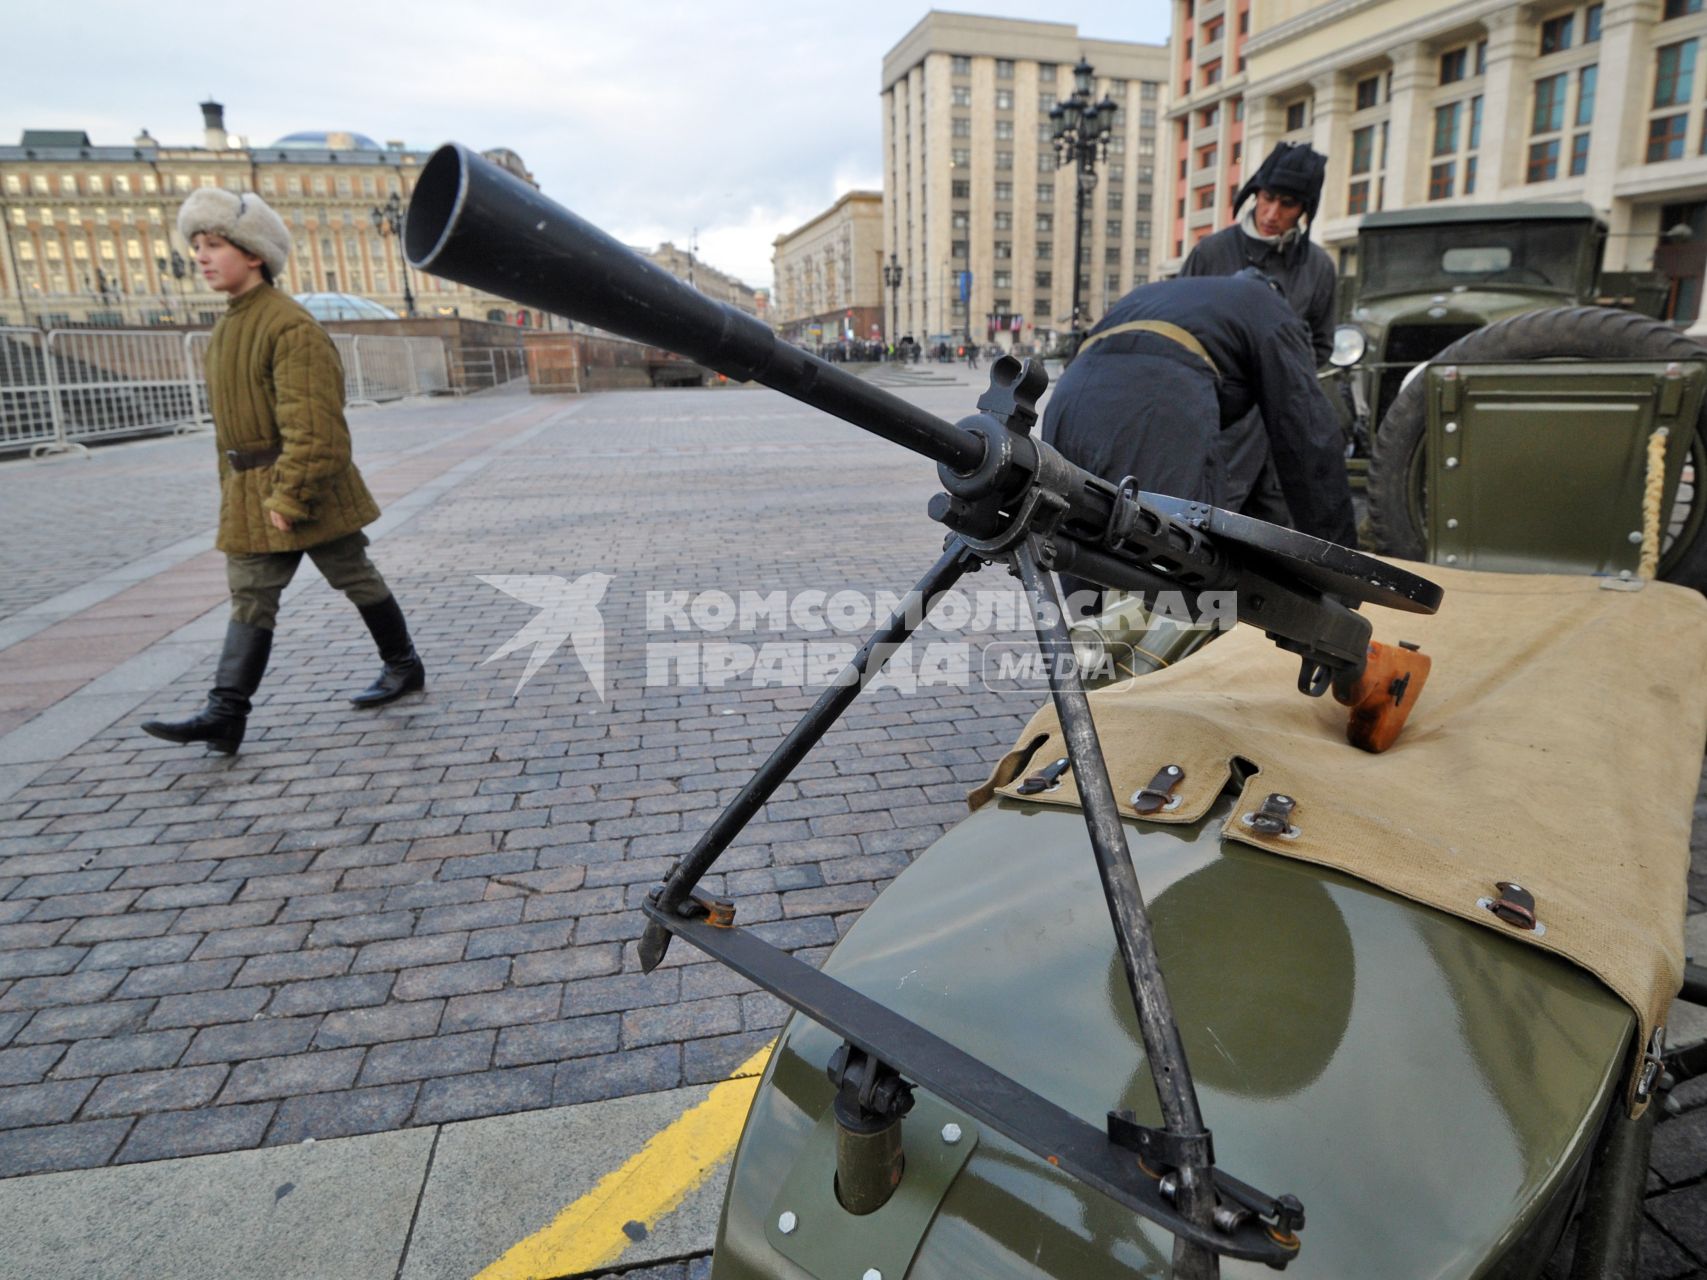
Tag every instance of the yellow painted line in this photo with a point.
(653, 1181)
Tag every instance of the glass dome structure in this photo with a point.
(344, 306)
(330, 140)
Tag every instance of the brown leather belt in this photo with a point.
(250, 459)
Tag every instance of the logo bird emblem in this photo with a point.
(567, 611)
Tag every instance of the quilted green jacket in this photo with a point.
(275, 381)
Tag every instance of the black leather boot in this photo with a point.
(220, 724)
(403, 672)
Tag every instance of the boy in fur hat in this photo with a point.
(1272, 234)
(287, 481)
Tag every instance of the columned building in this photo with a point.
(88, 232)
(1458, 103)
(827, 282)
(975, 209)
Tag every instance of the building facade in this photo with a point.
(688, 266)
(827, 277)
(1459, 103)
(88, 232)
(975, 208)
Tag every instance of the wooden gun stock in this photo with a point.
(1382, 697)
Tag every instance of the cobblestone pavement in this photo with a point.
(428, 913)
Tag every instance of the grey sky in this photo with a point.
(649, 119)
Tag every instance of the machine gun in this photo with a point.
(1007, 497)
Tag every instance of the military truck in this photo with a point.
(1436, 367)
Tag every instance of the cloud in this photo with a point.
(650, 119)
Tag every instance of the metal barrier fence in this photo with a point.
(487, 367)
(63, 387)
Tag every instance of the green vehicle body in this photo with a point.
(1448, 1139)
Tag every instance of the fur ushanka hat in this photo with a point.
(244, 219)
(1292, 169)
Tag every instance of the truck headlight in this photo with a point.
(1349, 346)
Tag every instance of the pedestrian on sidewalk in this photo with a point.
(288, 484)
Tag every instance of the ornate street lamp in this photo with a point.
(893, 274)
(389, 217)
(1080, 134)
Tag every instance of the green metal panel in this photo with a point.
(1541, 466)
(1427, 1087)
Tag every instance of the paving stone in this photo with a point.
(136, 924)
(197, 894)
(39, 962)
(71, 988)
(253, 941)
(146, 1091)
(294, 966)
(512, 940)
(473, 915)
(141, 1051)
(77, 905)
(1680, 1148)
(422, 1059)
(621, 991)
(405, 953)
(566, 965)
(60, 1146)
(718, 1016)
(503, 1008)
(618, 1075)
(354, 930)
(26, 1064)
(174, 979)
(83, 1022)
(208, 1008)
(350, 992)
(453, 979)
(11, 1024)
(130, 953)
(340, 1115)
(296, 1074)
(232, 915)
(556, 1041)
(487, 1093)
(409, 1021)
(28, 936)
(262, 1038)
(52, 1102)
(167, 1135)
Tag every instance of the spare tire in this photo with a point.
(1398, 499)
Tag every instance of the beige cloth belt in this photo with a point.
(1170, 331)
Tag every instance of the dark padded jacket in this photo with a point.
(1143, 405)
(1304, 272)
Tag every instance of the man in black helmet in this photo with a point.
(1175, 362)
(1271, 232)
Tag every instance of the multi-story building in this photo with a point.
(828, 275)
(1469, 102)
(686, 265)
(975, 208)
(88, 232)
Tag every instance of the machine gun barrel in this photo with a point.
(464, 204)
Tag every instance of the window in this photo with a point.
(1481, 58)
(1586, 79)
(67, 185)
(960, 220)
(1544, 161)
(1446, 128)
(1211, 72)
(1003, 279)
(1046, 162)
(1440, 178)
(957, 249)
(960, 95)
(1149, 90)
(181, 182)
(1004, 99)
(1549, 114)
(961, 189)
(1116, 201)
(1147, 118)
(1675, 74)
(961, 127)
(1004, 221)
(1203, 198)
(1208, 117)
(1111, 257)
(1212, 30)
(1454, 66)
(1294, 116)
(97, 186)
(1045, 250)
(1004, 130)
(1004, 68)
(1665, 138)
(1556, 34)
(1046, 222)
(1111, 283)
(960, 157)
(1004, 191)
(961, 65)
(1046, 193)
(1591, 23)
(1579, 155)
(1206, 157)
(1681, 8)
(1363, 149)
(1046, 73)
(1043, 279)
(14, 185)
(38, 183)
(1141, 230)
(1112, 228)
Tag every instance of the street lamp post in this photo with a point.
(389, 217)
(1080, 134)
(893, 274)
